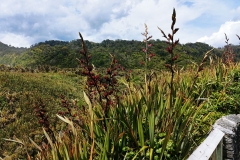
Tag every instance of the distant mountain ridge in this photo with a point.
(5, 49)
(129, 53)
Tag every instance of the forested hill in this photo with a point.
(6, 49)
(128, 52)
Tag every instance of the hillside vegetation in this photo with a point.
(21, 93)
(115, 99)
(129, 53)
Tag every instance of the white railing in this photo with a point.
(223, 142)
(211, 148)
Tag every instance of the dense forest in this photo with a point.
(129, 53)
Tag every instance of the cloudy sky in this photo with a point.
(26, 22)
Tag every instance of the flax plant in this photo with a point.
(148, 56)
(228, 55)
(68, 145)
(154, 120)
(160, 121)
(147, 120)
(172, 44)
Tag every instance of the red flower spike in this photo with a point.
(97, 76)
(109, 102)
(144, 50)
(82, 52)
(114, 80)
(200, 69)
(105, 94)
(41, 121)
(150, 45)
(169, 49)
(110, 92)
(149, 37)
(164, 35)
(167, 65)
(108, 71)
(170, 36)
(90, 67)
(238, 36)
(152, 55)
(84, 73)
(60, 113)
(105, 85)
(174, 15)
(175, 58)
(175, 30)
(175, 43)
(142, 63)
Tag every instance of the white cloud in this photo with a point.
(217, 39)
(119, 19)
(16, 40)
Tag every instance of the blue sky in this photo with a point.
(26, 22)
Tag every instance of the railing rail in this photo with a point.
(223, 142)
(211, 148)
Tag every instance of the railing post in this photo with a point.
(218, 153)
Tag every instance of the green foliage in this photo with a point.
(141, 125)
(6, 49)
(165, 117)
(145, 115)
(18, 95)
(129, 53)
(225, 98)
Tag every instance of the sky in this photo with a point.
(26, 22)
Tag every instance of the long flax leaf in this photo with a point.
(65, 152)
(140, 130)
(151, 153)
(141, 150)
(48, 138)
(126, 123)
(12, 140)
(151, 121)
(165, 142)
(91, 123)
(37, 146)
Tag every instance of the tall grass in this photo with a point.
(140, 126)
(18, 95)
(157, 119)
(164, 117)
